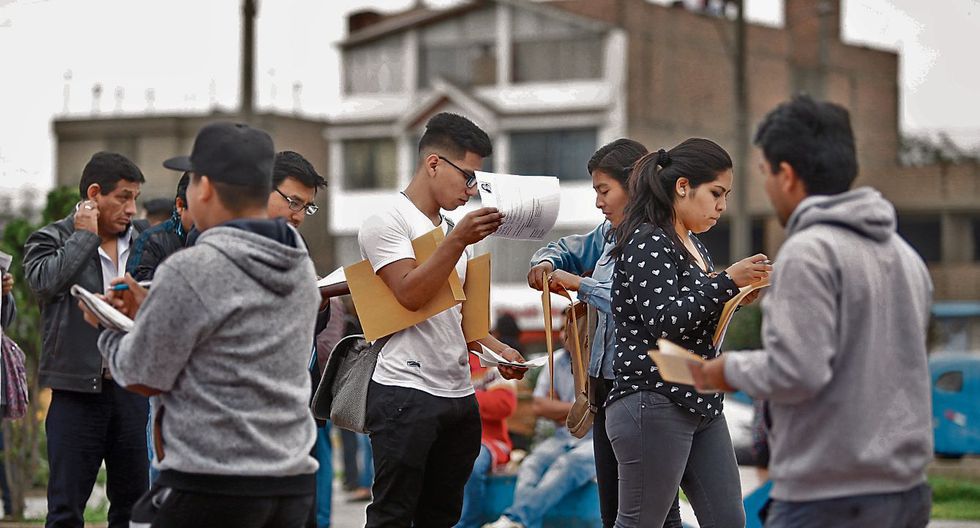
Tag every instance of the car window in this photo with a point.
(950, 381)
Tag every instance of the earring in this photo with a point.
(682, 193)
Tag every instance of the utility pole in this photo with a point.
(740, 238)
(249, 10)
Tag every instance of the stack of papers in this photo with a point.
(336, 277)
(530, 203)
(489, 358)
(108, 316)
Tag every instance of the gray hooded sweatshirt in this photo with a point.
(226, 333)
(844, 366)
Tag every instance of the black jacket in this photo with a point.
(153, 246)
(56, 257)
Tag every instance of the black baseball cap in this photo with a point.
(232, 153)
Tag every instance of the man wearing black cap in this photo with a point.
(90, 419)
(223, 338)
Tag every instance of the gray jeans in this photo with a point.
(906, 509)
(659, 446)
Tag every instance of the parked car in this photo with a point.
(956, 404)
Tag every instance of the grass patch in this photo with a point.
(955, 499)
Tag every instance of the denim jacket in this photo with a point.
(580, 254)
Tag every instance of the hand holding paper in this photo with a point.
(529, 203)
(97, 311)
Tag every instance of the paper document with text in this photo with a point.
(530, 203)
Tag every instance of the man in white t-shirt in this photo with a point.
(422, 414)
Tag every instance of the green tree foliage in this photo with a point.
(23, 438)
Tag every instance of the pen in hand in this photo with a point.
(122, 286)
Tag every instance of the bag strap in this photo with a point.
(576, 351)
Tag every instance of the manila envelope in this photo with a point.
(380, 312)
(476, 307)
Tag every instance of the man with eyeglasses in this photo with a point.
(294, 186)
(422, 412)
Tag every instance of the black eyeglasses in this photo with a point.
(470, 177)
(296, 205)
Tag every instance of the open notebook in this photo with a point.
(108, 316)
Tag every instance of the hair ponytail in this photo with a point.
(651, 186)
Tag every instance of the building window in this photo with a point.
(474, 65)
(558, 60)
(461, 50)
(976, 238)
(562, 153)
(548, 48)
(375, 68)
(924, 233)
(370, 164)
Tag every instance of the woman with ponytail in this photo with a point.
(582, 263)
(665, 435)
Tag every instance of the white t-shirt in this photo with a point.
(430, 356)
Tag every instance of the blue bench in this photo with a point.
(579, 509)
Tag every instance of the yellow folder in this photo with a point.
(476, 307)
(380, 312)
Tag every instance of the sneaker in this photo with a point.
(504, 522)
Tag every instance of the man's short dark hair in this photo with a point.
(106, 169)
(290, 164)
(159, 207)
(815, 138)
(182, 184)
(454, 135)
(239, 198)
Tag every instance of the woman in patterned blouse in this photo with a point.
(666, 435)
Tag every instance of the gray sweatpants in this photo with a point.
(659, 446)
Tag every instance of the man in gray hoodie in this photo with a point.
(224, 338)
(844, 326)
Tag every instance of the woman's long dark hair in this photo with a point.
(617, 159)
(651, 186)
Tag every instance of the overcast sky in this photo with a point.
(186, 52)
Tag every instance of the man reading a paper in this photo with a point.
(844, 326)
(422, 414)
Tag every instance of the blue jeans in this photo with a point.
(905, 509)
(324, 475)
(154, 472)
(475, 492)
(555, 468)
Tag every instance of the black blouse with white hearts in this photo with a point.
(659, 293)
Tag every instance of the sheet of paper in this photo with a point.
(673, 361)
(476, 307)
(529, 203)
(108, 316)
(729, 310)
(489, 358)
(377, 308)
(336, 277)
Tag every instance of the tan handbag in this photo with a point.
(582, 413)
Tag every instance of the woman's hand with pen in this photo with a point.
(126, 295)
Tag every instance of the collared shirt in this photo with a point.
(112, 270)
